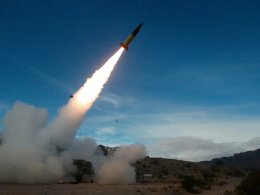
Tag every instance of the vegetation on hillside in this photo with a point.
(251, 185)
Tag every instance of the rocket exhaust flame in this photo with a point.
(90, 91)
(35, 151)
(72, 114)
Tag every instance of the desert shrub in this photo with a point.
(153, 190)
(215, 168)
(219, 162)
(238, 173)
(188, 165)
(164, 189)
(251, 185)
(155, 161)
(234, 172)
(164, 171)
(228, 192)
(207, 173)
(222, 183)
(189, 183)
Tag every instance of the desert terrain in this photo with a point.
(99, 189)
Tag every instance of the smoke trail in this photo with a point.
(117, 168)
(34, 152)
(71, 115)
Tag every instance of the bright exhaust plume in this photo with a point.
(90, 91)
(71, 115)
(35, 151)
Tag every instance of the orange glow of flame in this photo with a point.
(90, 91)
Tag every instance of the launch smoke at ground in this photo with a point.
(33, 151)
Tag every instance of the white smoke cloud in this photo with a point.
(116, 171)
(22, 157)
(117, 168)
(26, 156)
(35, 151)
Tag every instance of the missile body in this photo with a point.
(131, 37)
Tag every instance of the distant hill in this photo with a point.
(105, 150)
(166, 168)
(244, 160)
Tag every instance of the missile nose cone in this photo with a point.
(137, 29)
(140, 25)
(131, 36)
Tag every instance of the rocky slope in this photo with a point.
(245, 160)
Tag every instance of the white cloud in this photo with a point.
(104, 118)
(198, 149)
(105, 131)
(206, 131)
(52, 80)
(215, 125)
(111, 99)
(215, 130)
(108, 101)
(252, 143)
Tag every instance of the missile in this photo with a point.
(131, 37)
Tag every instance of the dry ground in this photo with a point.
(230, 184)
(98, 189)
(91, 189)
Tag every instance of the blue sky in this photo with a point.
(192, 74)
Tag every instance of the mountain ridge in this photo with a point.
(242, 160)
